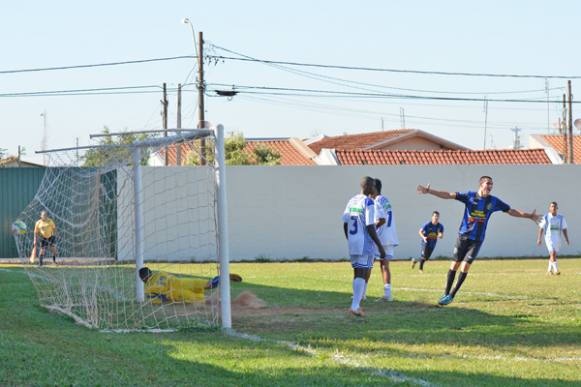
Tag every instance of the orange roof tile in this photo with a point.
(290, 154)
(414, 157)
(355, 141)
(557, 142)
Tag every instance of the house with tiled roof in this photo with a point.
(556, 145)
(15, 162)
(292, 151)
(438, 157)
(400, 139)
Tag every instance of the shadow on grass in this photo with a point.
(37, 347)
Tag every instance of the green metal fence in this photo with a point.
(17, 188)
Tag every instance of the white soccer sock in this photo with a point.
(387, 290)
(358, 288)
(555, 267)
(364, 291)
(550, 266)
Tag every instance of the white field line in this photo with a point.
(494, 357)
(487, 294)
(340, 358)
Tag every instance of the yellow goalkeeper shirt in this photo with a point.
(45, 228)
(165, 287)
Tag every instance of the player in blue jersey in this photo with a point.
(479, 206)
(429, 233)
(359, 228)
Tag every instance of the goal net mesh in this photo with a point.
(95, 278)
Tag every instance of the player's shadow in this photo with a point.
(306, 314)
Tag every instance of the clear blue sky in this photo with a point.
(526, 37)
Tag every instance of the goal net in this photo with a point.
(115, 213)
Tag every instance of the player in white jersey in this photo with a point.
(387, 233)
(553, 225)
(359, 228)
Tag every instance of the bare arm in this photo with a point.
(527, 215)
(421, 232)
(373, 235)
(441, 235)
(440, 194)
(345, 230)
(566, 235)
(539, 235)
(380, 223)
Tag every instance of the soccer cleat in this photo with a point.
(421, 271)
(357, 313)
(558, 273)
(387, 298)
(446, 299)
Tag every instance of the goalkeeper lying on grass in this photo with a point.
(165, 287)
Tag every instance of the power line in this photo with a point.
(326, 93)
(70, 67)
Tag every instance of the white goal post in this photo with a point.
(94, 290)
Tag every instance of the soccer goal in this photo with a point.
(114, 214)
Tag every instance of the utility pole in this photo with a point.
(179, 126)
(402, 117)
(485, 120)
(382, 127)
(19, 155)
(164, 120)
(564, 130)
(77, 151)
(570, 123)
(44, 138)
(516, 144)
(201, 88)
(547, 93)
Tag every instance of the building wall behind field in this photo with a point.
(295, 212)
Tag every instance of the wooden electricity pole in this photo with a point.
(164, 120)
(570, 124)
(201, 89)
(179, 126)
(564, 130)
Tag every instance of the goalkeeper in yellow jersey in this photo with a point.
(163, 287)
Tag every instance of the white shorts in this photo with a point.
(361, 261)
(553, 245)
(389, 252)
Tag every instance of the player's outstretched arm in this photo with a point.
(373, 234)
(527, 215)
(440, 194)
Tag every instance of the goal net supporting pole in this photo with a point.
(224, 248)
(138, 210)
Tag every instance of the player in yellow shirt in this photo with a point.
(45, 230)
(165, 287)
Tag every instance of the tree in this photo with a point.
(236, 153)
(98, 157)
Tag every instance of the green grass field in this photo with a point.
(509, 325)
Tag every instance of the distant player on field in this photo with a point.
(553, 225)
(359, 228)
(429, 233)
(45, 231)
(387, 234)
(479, 206)
(161, 287)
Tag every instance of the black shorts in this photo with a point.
(44, 242)
(466, 249)
(427, 251)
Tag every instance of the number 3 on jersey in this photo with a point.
(353, 229)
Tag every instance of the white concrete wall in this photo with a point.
(295, 212)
